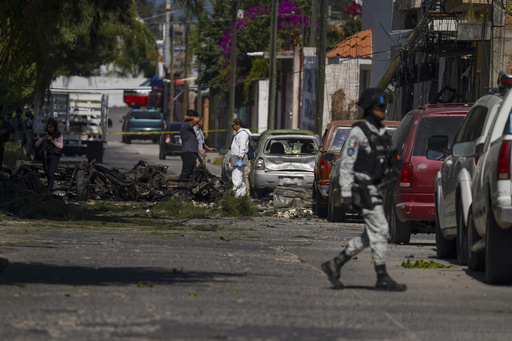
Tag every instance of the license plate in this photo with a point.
(290, 181)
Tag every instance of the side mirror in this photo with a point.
(464, 149)
(437, 148)
(329, 157)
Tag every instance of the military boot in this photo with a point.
(386, 283)
(332, 269)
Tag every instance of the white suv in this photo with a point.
(453, 182)
(490, 215)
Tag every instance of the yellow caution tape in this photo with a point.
(139, 132)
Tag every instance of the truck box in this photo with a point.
(83, 120)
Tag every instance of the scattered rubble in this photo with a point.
(84, 181)
(288, 196)
(296, 213)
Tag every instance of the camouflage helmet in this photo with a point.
(373, 96)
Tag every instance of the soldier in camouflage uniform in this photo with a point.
(366, 160)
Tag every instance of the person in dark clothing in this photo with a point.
(189, 147)
(52, 143)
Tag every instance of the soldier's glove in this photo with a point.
(239, 163)
(361, 196)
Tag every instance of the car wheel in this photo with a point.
(321, 207)
(399, 233)
(498, 253)
(476, 260)
(334, 214)
(127, 140)
(462, 236)
(155, 141)
(313, 197)
(161, 154)
(123, 139)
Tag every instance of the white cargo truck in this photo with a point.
(82, 118)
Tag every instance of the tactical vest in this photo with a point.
(377, 162)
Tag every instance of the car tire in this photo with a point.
(320, 207)
(161, 154)
(155, 141)
(399, 233)
(127, 140)
(445, 248)
(334, 214)
(476, 260)
(498, 253)
(313, 202)
(462, 238)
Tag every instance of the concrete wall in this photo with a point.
(344, 75)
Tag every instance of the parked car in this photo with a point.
(170, 140)
(287, 159)
(453, 182)
(141, 124)
(489, 225)
(413, 207)
(226, 168)
(334, 212)
(332, 141)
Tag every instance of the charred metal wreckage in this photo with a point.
(89, 180)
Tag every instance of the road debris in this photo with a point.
(89, 180)
(295, 213)
(288, 196)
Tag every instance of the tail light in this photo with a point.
(406, 176)
(504, 161)
(260, 164)
(168, 138)
(323, 164)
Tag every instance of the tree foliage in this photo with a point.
(212, 42)
(41, 40)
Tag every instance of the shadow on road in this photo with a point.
(32, 273)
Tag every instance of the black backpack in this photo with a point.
(251, 154)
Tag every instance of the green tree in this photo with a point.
(41, 40)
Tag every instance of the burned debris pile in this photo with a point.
(88, 180)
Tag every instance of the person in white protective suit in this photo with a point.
(239, 149)
(368, 165)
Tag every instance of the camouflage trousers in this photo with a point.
(375, 235)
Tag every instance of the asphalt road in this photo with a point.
(227, 279)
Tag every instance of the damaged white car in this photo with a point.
(284, 160)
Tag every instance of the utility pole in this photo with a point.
(231, 113)
(314, 15)
(171, 70)
(185, 71)
(272, 68)
(167, 47)
(320, 74)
